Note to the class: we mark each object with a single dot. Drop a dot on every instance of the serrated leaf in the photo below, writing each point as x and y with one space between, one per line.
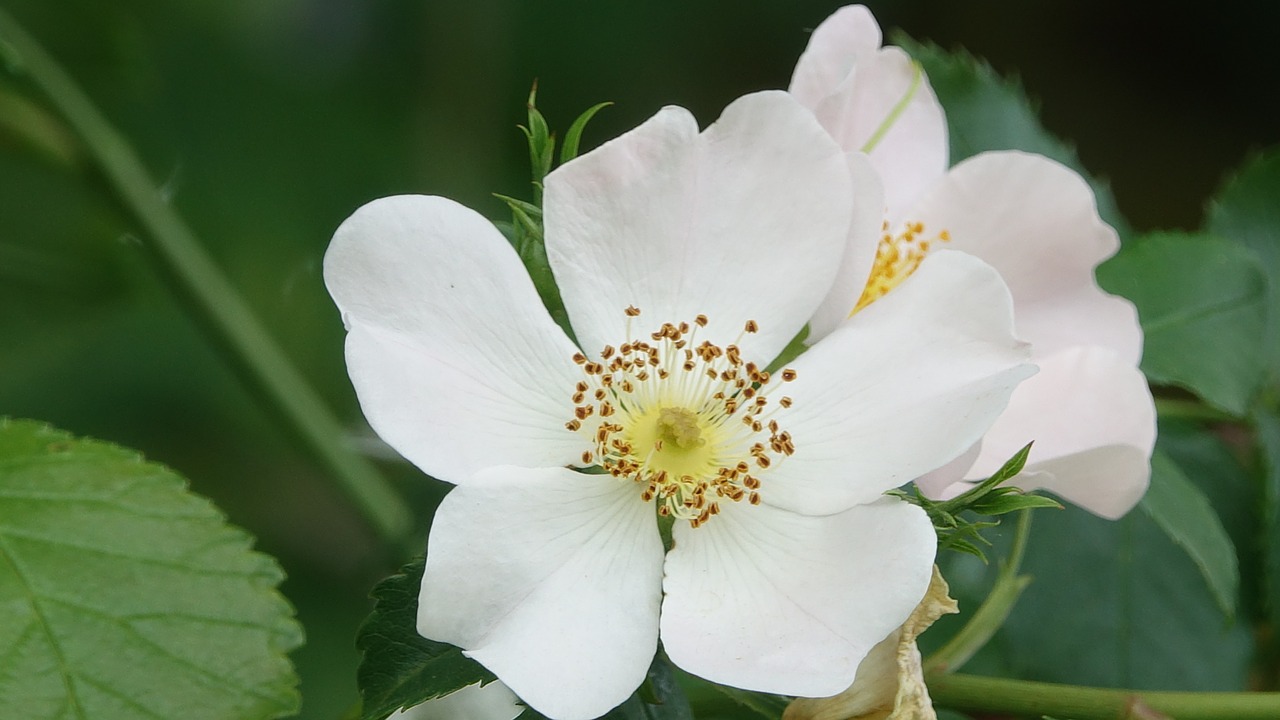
1007 471
399 667
988 112
1247 211
1179 508
124 595
1201 301
569 150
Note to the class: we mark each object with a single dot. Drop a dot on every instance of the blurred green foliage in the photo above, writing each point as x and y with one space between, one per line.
271 120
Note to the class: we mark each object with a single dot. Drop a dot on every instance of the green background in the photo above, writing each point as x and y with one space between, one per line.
269 121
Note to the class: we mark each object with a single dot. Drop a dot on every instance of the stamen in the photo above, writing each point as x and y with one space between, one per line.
896 258
690 422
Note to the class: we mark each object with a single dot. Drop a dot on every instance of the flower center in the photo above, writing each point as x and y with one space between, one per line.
897 256
691 423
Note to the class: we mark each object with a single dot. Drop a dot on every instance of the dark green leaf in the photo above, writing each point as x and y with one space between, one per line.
1268 429
123 595
1247 211
660 698
762 704
1113 604
400 668
988 112
1201 301
1179 508
569 150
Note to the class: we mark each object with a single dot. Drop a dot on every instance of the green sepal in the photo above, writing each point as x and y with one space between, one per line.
399 668
542 143
988 498
569 150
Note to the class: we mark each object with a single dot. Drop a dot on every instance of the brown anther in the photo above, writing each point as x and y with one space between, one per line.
752 326
788 375
754 498
579 358
578 398
762 461
632 311
582 412
586 457
785 401
573 425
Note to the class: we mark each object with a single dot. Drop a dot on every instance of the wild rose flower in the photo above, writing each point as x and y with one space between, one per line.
686 262
1088 410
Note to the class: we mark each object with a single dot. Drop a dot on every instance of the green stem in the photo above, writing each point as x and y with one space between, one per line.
209 297
993 611
1190 410
1020 697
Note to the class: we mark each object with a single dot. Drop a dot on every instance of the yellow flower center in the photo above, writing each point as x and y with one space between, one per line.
897 256
691 423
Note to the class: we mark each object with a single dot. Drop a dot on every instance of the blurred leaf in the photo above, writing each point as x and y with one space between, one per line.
573 137
1247 211
526 237
1201 302
400 668
988 112
1116 604
124 595
1184 513
1268 429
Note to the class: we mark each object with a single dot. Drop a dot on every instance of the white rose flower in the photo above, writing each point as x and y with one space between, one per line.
686 262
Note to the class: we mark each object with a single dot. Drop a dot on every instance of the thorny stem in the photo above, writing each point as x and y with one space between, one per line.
210 299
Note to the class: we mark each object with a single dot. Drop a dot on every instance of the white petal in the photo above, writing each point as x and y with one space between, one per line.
494 701
550 578
1093 421
859 253
906 385
854 87
746 221
456 362
834 48
764 599
1036 222
911 154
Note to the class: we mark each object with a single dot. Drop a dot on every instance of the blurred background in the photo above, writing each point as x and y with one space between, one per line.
268 121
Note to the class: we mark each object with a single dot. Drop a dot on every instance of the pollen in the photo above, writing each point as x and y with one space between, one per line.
897 257
689 422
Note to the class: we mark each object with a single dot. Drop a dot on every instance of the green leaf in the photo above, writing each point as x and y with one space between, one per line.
1247 211
1268 429
569 150
1201 302
1179 508
123 595
1113 604
988 112
400 668
762 704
